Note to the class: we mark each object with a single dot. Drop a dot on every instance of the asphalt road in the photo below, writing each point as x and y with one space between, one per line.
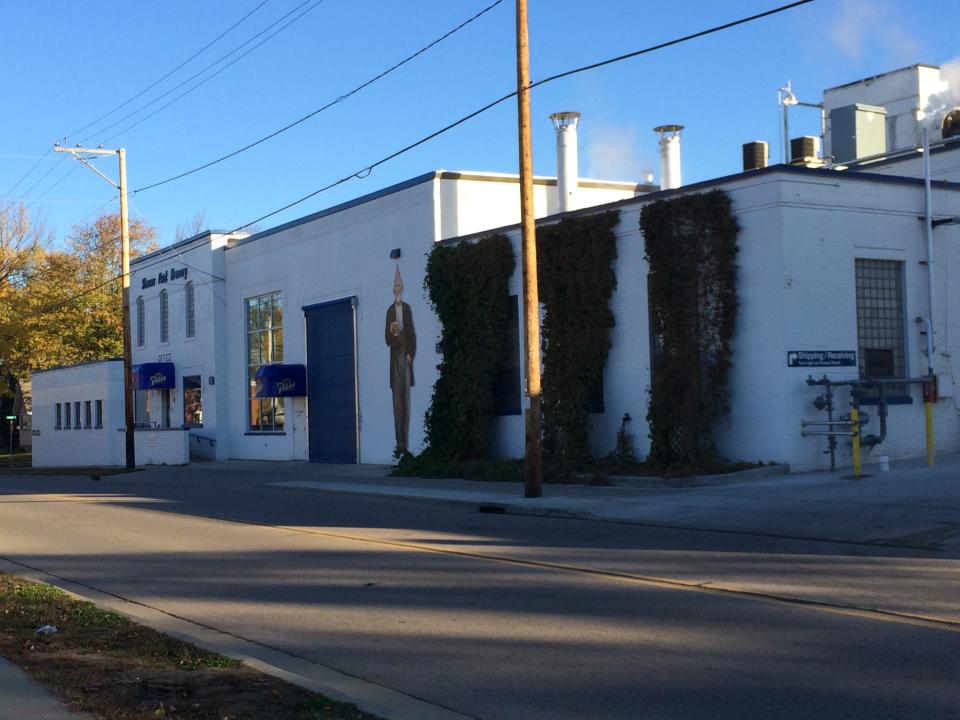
512 617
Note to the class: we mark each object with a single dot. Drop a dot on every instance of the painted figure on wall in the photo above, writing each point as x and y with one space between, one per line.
401 338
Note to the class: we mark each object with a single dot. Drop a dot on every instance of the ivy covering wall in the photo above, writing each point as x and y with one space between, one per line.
691 248
467 285
576 279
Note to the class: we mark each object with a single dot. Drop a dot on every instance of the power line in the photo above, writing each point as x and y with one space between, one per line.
32 168
369 168
134 97
329 105
176 87
171 72
488 106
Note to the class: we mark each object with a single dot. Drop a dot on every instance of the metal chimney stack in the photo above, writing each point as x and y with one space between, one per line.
669 155
565 123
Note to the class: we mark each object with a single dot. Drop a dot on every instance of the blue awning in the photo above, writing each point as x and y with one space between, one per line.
154 376
279 380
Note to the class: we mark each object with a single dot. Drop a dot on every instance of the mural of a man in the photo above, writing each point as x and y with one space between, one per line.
401 338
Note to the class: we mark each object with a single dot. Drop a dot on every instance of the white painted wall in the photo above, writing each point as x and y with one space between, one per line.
84 447
203 260
162 447
347 253
800 234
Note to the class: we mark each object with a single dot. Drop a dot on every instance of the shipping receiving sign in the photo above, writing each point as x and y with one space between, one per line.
822 358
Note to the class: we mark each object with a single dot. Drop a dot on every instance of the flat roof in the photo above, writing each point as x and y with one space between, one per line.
76 365
440 175
714 182
179 245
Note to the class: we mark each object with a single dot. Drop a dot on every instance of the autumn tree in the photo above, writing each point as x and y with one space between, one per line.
64 305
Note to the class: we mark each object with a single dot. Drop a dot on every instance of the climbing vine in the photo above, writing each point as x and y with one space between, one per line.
467 287
576 279
691 249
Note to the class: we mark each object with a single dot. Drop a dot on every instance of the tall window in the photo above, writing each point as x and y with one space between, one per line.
66 415
190 310
76 416
264 346
98 417
87 414
141 322
59 416
881 340
164 316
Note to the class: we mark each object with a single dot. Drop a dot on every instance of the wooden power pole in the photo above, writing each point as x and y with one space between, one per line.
533 470
79 153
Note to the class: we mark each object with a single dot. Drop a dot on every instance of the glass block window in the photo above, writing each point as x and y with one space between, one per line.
191 310
264 346
880 318
164 316
141 322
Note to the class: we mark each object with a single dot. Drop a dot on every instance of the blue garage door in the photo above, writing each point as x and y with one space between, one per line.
331 382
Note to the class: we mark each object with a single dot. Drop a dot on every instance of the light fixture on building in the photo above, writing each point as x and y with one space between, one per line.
395 254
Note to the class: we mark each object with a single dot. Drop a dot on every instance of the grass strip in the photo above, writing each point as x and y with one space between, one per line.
102 663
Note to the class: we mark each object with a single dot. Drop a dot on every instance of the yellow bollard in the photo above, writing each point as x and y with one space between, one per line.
855 440
928 412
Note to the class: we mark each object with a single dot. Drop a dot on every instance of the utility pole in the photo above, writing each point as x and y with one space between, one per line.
80 154
532 468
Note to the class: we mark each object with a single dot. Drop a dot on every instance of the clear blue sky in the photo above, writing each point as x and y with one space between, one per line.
66 63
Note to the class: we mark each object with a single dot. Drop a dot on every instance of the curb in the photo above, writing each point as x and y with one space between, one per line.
370 697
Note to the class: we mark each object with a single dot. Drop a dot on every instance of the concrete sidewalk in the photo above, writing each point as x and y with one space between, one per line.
21 698
911 505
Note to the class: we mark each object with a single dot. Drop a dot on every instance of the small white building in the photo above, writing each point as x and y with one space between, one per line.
78 421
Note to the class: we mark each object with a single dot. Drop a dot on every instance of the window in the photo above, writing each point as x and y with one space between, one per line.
191 318
59 416
66 416
506 386
264 346
87 414
76 415
881 343
141 327
164 316
98 413
192 401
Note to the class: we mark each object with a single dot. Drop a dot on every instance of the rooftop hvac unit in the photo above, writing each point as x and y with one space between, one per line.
804 149
857 131
756 155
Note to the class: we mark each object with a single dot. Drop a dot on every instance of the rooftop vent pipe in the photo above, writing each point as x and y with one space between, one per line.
669 155
565 123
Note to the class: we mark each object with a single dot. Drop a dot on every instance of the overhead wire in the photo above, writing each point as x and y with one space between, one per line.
365 171
126 102
488 106
312 5
170 72
327 106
